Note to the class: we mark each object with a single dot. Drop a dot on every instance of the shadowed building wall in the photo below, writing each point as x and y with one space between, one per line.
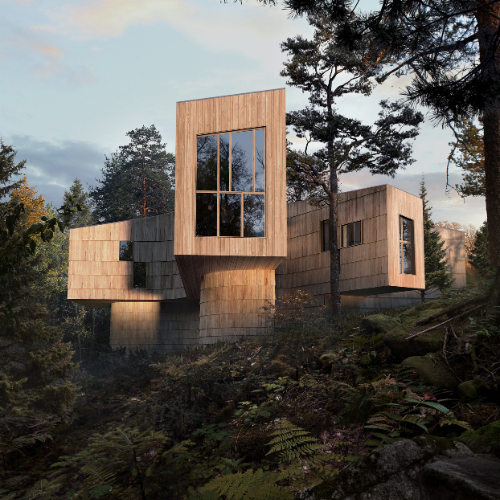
164 327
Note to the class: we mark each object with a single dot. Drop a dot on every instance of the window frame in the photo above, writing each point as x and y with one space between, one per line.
410 242
360 222
242 194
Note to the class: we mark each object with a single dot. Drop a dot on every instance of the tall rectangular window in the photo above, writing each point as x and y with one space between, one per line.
325 239
325 233
406 246
139 274
230 184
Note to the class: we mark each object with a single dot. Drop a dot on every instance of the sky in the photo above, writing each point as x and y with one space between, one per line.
77 75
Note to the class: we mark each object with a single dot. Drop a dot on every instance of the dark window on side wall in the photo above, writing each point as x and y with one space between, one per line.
351 234
126 250
325 234
406 246
139 274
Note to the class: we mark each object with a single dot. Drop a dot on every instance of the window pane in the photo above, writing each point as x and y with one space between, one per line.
344 236
242 153
407 256
126 250
224 162
357 233
206 172
139 275
407 229
230 214
260 160
254 215
206 214
326 236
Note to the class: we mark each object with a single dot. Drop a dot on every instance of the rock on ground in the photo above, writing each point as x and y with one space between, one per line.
483 440
471 478
432 370
389 473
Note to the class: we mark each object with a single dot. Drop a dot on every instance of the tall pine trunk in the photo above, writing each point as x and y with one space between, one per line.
334 257
488 19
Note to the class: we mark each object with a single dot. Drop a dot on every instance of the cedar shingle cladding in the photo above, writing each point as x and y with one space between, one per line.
97 277
198 256
368 268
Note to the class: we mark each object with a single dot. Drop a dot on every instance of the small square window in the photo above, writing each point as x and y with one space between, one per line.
126 250
139 275
351 234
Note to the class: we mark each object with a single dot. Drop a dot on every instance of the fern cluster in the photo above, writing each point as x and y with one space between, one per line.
297 465
121 452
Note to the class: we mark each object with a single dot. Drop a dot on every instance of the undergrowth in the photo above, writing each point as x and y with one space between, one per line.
256 419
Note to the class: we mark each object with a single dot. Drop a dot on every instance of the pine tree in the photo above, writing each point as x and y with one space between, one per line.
137 180
438 275
468 154
480 254
34 363
328 73
8 168
78 196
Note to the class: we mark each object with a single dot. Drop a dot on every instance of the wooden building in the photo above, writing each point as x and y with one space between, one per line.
380 242
204 272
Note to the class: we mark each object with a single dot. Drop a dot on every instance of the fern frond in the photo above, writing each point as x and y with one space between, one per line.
4 495
252 485
292 442
98 474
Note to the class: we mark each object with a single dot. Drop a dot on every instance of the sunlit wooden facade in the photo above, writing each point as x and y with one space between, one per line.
207 271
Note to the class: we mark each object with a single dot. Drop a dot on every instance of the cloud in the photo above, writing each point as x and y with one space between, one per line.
49 50
210 24
46 60
57 69
52 167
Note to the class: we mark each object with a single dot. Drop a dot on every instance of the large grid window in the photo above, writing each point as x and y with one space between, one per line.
406 246
230 184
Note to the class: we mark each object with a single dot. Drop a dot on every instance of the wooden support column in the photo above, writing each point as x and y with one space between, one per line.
232 304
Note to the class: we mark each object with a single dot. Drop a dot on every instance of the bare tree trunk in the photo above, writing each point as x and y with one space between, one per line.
334 254
488 19
422 296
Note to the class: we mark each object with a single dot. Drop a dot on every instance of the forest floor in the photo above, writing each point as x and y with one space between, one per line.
273 414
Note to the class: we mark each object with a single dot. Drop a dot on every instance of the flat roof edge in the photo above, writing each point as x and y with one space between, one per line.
231 95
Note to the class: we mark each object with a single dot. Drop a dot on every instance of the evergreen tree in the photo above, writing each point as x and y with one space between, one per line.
34 363
78 196
480 254
137 180
8 169
438 275
328 72
468 154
